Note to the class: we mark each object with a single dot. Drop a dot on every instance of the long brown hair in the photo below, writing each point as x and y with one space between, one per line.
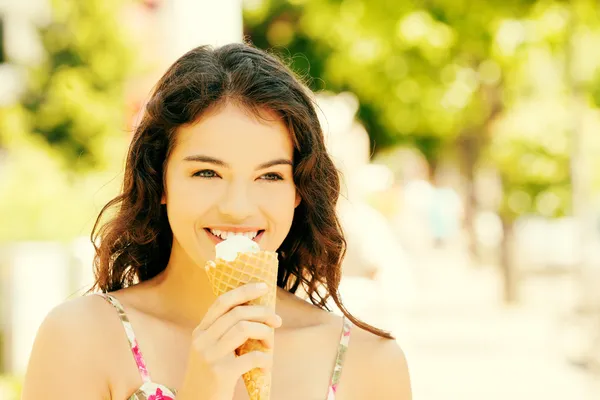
134 245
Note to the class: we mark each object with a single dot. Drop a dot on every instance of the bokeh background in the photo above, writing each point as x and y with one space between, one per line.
467 133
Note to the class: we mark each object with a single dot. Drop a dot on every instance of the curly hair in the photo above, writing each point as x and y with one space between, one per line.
134 244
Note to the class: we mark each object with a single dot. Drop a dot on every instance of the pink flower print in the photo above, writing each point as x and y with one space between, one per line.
331 394
139 360
160 396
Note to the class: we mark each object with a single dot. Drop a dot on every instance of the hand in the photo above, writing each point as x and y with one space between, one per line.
213 370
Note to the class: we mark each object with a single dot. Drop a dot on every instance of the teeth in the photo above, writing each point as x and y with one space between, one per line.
225 235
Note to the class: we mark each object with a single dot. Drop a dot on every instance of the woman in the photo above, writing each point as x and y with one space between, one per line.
230 144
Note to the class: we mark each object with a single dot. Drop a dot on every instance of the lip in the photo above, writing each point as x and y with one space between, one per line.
217 239
236 229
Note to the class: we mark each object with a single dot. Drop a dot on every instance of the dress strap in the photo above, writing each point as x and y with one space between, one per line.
339 360
135 350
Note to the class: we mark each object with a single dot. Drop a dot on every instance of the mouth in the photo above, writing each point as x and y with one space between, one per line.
218 235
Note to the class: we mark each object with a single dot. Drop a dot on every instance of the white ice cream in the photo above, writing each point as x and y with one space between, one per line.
229 248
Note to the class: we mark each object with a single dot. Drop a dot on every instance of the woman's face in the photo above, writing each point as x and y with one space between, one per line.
230 173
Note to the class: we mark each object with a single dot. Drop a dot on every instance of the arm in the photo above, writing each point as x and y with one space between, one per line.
65 361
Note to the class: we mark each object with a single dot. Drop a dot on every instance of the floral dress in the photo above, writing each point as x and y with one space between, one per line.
154 391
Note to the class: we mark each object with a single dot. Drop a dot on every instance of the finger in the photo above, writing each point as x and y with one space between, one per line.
251 313
238 335
229 300
255 359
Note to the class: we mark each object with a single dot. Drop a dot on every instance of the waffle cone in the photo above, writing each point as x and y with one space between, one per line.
248 268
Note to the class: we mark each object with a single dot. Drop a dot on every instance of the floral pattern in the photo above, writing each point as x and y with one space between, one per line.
159 396
154 391
339 361
149 390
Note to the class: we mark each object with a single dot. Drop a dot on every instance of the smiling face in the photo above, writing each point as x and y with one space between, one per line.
230 173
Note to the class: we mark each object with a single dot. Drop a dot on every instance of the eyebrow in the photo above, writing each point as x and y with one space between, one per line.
221 163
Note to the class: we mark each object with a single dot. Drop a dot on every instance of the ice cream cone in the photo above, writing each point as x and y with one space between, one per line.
248 267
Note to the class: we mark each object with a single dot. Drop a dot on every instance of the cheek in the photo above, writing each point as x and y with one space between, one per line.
192 196
279 202
187 202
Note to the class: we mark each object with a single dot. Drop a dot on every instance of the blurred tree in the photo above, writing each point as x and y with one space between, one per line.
66 138
540 146
425 73
75 95
533 162
439 75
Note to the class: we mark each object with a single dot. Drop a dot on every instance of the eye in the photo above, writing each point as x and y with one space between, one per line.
272 177
206 173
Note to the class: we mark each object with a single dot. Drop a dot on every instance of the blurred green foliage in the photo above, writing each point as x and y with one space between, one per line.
74 97
10 388
65 139
486 83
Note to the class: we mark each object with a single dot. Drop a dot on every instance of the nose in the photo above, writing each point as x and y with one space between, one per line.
237 204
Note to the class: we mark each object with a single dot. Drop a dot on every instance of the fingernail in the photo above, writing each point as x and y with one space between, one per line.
261 286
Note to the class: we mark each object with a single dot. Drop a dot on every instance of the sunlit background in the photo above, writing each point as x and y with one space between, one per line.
467 132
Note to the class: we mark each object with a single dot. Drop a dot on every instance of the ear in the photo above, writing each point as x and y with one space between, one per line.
298 200
163 200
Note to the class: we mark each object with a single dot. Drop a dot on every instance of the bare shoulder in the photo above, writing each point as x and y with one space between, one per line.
375 367
68 352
